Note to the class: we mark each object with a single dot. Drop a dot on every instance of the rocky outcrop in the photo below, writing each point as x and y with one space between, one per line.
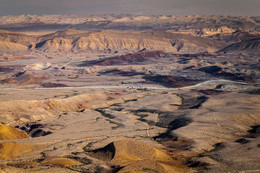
216 30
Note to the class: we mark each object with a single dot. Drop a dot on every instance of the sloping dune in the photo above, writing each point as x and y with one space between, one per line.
61 162
10 150
136 156
7 133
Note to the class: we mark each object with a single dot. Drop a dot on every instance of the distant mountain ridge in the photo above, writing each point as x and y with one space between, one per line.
125 22
128 33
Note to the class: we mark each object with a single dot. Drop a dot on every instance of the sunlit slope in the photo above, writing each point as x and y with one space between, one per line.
7 133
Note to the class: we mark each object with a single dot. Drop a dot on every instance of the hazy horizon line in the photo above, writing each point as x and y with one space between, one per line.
131 14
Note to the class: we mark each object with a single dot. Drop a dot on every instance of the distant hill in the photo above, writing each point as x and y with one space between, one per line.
9 47
16 37
127 59
114 41
248 45
125 22
129 33
235 37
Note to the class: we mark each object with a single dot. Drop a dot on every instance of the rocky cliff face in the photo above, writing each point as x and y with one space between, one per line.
217 30
106 41
127 33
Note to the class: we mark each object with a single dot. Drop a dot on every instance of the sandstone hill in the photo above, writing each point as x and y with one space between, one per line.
113 41
22 78
136 156
127 32
7 47
132 41
18 38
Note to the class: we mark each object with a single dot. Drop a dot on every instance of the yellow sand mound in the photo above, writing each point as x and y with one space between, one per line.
10 150
132 150
147 166
62 162
137 156
7 133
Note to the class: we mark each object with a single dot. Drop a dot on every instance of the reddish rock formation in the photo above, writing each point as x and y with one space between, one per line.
126 59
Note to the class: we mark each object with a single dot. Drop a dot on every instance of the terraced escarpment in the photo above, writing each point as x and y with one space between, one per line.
110 33
120 41
112 41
